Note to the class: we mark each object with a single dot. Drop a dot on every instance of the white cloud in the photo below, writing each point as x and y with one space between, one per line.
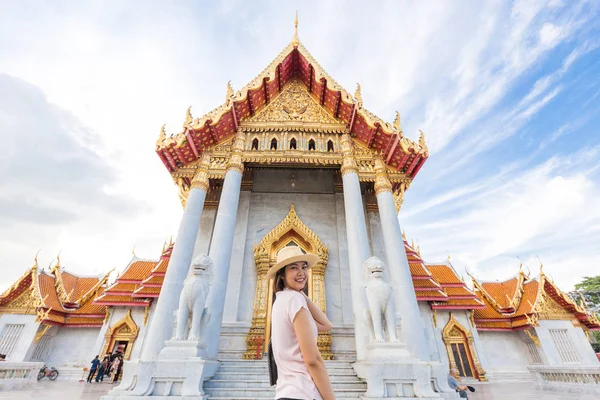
549 211
123 71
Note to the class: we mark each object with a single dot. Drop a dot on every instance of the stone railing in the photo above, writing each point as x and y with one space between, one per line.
18 375
568 378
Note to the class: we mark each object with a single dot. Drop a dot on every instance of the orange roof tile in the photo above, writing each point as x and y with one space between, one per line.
431 294
147 290
48 291
138 270
154 280
458 291
122 287
418 269
462 303
97 321
502 292
443 273
425 283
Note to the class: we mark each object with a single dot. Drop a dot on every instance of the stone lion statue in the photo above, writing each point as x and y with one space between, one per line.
193 297
380 299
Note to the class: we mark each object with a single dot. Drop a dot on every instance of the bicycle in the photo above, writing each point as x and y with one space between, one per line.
51 373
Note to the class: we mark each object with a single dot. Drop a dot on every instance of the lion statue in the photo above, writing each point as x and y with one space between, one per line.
193 299
381 303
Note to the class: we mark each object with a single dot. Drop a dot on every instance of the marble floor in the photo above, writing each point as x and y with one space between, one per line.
62 390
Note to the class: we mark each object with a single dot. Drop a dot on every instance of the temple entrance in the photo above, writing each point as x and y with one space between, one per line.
290 232
121 336
461 350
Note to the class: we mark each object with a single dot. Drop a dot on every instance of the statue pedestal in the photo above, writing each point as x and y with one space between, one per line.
179 373
391 373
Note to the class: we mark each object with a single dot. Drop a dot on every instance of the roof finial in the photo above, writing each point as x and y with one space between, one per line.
229 92
295 39
188 117
422 142
541 265
133 251
397 125
35 258
162 137
357 95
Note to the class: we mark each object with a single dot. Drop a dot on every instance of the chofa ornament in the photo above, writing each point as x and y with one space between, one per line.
380 317
192 302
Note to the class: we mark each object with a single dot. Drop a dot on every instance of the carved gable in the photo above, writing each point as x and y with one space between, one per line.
294 104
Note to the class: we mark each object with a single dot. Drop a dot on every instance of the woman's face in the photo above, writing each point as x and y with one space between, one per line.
296 275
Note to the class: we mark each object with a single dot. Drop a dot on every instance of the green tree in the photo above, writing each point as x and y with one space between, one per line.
588 290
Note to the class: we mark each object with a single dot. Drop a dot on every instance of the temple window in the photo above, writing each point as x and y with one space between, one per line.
311 145
273 144
293 144
329 145
255 144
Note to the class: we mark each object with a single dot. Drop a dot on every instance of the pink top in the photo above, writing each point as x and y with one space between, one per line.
293 379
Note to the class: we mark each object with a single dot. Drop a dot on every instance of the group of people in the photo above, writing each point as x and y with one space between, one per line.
110 366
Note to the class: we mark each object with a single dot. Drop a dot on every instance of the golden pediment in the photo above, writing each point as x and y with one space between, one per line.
294 104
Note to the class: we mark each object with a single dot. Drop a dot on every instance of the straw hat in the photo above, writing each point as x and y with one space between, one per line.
289 255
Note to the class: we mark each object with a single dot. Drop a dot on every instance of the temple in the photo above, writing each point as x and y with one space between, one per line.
292 158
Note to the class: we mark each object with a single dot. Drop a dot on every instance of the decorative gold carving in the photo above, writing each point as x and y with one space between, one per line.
265 255
124 330
42 329
471 316
235 161
200 180
422 144
294 104
161 137
455 333
399 194
533 337
349 162
230 93
434 317
146 313
382 183
550 310
188 118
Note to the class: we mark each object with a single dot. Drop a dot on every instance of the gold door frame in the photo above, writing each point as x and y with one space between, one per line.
265 255
454 332
124 330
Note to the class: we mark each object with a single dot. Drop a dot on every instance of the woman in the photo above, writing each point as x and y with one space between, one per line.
296 322
114 368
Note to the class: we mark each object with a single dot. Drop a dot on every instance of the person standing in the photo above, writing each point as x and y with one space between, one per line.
102 369
116 364
453 383
95 364
296 322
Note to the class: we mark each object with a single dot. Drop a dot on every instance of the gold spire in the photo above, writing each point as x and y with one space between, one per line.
397 125
161 137
133 251
295 40
35 259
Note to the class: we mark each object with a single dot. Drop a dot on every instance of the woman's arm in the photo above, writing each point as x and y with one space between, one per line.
321 320
311 355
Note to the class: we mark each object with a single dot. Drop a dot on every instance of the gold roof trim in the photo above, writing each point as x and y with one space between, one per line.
270 73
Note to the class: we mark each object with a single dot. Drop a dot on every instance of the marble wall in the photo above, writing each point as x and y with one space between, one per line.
23 346
506 354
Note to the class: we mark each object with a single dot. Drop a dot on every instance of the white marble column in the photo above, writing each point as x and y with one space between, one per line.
358 243
413 330
161 326
222 243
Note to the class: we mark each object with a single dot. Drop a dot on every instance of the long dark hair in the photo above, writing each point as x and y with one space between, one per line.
279 283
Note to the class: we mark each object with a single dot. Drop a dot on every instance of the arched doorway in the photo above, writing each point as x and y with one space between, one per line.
121 336
291 231
461 350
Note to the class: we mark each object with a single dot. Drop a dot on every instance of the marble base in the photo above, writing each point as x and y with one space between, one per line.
19 375
394 375
180 349
165 379
439 380
575 379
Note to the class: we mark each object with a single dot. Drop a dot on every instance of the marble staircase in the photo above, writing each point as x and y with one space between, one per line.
245 380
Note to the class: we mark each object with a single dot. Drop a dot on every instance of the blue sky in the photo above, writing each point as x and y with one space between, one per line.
507 93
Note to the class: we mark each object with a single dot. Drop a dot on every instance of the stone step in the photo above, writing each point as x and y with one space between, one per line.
260 364
229 384
261 393
342 376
